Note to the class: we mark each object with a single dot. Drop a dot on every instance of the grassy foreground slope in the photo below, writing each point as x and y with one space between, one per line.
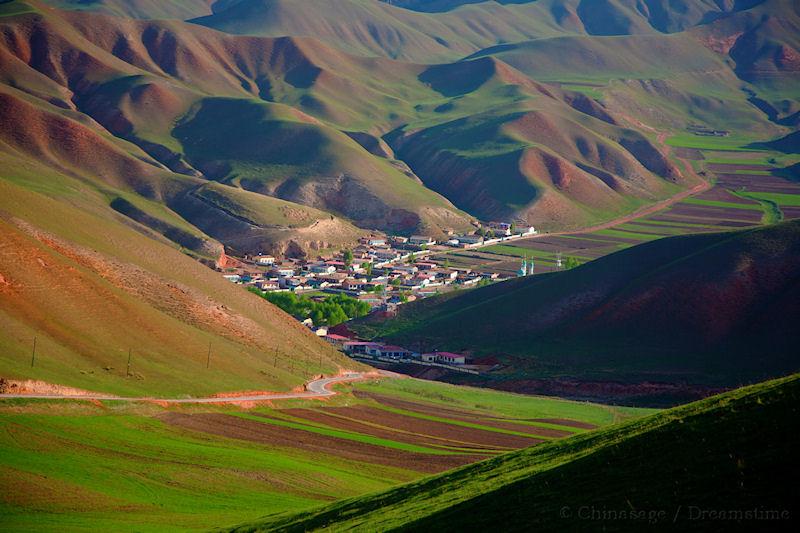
115 466
715 310
732 452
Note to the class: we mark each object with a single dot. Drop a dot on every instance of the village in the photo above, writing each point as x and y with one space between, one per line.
383 272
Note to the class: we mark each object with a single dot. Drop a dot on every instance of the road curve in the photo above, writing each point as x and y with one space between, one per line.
317 388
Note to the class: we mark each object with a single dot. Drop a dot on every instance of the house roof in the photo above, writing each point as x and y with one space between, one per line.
392 348
449 354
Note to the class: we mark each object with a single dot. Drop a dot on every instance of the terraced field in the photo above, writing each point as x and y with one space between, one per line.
746 191
120 466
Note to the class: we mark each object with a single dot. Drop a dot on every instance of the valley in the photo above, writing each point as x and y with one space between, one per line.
381 265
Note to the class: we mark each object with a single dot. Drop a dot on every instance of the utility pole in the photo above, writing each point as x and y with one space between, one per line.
208 359
33 354
128 371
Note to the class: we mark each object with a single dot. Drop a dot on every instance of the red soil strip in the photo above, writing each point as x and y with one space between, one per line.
791 212
422 431
723 195
700 222
709 213
313 443
464 416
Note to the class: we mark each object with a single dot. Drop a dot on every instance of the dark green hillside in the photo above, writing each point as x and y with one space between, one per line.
714 310
730 453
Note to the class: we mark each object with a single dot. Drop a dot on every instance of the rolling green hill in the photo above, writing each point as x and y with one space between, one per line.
729 455
706 311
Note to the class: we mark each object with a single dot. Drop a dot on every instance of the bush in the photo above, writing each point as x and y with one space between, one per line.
331 311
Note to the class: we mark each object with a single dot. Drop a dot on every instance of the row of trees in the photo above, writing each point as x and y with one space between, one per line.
331 311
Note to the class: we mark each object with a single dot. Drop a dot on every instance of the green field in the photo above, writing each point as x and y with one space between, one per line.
710 454
72 465
501 404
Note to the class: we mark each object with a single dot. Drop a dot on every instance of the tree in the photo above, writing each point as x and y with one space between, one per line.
347 256
571 262
396 282
411 258
318 317
447 263
367 266
336 315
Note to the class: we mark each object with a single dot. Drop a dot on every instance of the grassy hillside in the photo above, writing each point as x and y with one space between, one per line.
138 467
90 284
708 310
658 471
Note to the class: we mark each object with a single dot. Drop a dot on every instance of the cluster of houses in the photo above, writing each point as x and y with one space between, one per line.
384 272
391 352
491 233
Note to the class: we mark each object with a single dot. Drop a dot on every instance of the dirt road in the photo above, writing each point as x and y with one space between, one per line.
318 388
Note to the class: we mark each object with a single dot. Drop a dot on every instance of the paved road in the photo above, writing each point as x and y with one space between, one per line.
314 389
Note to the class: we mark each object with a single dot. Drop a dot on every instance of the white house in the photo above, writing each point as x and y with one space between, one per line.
322 268
421 240
450 358
264 259
394 352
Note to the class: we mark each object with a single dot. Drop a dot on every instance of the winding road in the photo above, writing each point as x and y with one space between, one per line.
318 388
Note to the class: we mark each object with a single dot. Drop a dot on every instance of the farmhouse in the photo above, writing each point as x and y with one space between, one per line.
264 259
322 268
421 240
501 229
394 352
337 340
469 239
268 285
358 346
450 358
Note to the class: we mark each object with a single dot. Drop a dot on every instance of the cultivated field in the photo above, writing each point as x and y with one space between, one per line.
747 189
120 466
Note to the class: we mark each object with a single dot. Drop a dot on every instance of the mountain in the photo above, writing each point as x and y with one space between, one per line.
690 313
146 9
731 454
518 116
378 29
165 86
293 119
